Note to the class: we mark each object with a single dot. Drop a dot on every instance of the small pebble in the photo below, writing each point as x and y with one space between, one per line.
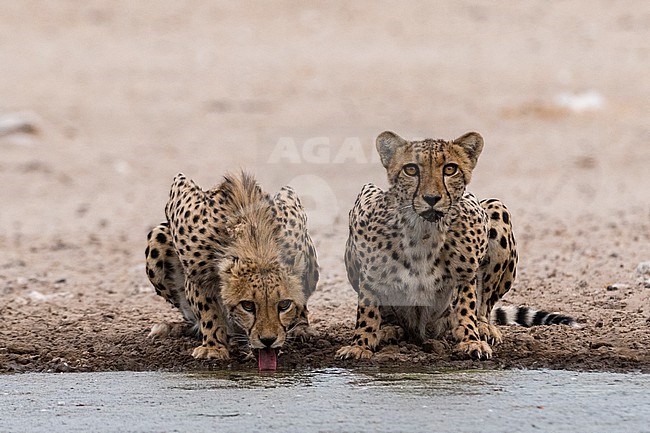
618 286
598 344
433 346
323 344
12 123
643 268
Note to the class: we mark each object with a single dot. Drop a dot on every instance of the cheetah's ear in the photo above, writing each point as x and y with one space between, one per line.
472 145
387 144
228 264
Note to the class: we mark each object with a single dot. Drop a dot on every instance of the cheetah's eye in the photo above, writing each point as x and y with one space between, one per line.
450 169
411 169
284 305
248 306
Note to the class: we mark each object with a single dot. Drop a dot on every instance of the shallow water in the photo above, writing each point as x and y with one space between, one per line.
326 400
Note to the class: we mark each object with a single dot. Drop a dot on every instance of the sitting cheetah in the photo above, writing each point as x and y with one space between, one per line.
237 263
426 256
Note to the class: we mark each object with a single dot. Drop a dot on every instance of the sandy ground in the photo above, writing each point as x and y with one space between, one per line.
121 96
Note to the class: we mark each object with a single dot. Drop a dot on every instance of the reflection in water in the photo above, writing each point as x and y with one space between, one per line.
328 399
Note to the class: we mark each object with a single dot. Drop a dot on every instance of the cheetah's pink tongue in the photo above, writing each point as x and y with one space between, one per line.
267 359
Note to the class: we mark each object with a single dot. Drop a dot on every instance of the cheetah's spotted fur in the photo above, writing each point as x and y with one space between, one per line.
427 256
235 261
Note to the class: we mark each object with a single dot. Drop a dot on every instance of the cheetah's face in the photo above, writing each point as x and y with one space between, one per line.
428 177
265 303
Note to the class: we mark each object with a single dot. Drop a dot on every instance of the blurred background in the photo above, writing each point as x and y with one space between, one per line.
102 103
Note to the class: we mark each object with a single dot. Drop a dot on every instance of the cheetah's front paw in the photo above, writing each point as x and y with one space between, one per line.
303 333
168 329
489 333
205 352
354 352
475 349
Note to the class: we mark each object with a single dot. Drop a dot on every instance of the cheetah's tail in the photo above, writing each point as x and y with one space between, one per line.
525 316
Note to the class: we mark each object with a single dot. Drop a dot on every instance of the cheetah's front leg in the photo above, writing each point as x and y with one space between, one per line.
499 268
367 329
465 325
301 329
212 324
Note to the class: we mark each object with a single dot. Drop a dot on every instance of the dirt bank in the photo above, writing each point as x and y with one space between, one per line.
118 98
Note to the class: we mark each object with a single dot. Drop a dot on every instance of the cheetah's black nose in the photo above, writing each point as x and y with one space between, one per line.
431 199
268 341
